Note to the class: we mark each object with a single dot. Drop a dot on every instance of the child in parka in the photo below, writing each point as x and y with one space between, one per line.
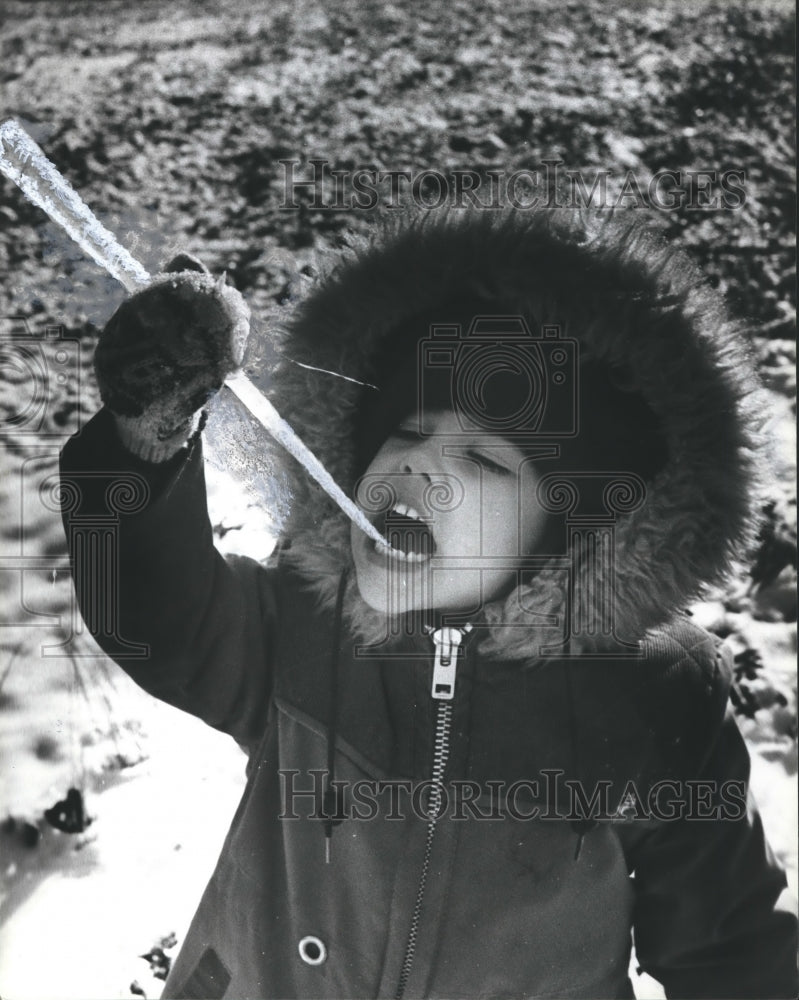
478 761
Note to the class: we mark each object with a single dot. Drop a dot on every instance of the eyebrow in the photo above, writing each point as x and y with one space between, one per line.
475 442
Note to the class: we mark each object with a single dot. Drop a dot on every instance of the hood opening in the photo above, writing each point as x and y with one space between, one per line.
681 409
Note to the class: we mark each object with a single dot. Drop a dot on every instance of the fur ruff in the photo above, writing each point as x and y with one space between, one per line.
628 298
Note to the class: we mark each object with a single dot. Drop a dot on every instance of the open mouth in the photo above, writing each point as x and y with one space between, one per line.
409 535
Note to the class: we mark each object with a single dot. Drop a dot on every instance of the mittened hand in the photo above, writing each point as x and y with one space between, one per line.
165 352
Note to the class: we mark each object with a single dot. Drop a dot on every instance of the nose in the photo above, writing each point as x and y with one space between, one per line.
417 461
424 474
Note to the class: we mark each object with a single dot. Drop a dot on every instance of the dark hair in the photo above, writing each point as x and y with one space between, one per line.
616 428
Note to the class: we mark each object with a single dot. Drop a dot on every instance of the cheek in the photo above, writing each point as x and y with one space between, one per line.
501 503
376 466
534 519
369 489
542 532
494 523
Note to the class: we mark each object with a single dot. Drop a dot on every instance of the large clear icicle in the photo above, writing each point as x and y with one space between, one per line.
24 163
266 415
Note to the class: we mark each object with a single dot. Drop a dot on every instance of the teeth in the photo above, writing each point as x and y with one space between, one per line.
385 548
411 557
406 511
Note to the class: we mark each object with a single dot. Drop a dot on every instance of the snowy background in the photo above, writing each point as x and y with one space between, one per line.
171 120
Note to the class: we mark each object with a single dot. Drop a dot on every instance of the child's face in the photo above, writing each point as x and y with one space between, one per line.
487 491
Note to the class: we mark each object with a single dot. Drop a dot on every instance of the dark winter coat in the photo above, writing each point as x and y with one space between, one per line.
515 889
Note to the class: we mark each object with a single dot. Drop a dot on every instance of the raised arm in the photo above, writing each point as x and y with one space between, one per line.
188 625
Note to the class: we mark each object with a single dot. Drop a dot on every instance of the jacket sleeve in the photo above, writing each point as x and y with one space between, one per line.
189 626
705 920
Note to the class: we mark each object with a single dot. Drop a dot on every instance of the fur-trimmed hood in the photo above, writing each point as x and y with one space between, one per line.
630 301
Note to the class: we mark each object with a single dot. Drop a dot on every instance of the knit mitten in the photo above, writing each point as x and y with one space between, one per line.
165 352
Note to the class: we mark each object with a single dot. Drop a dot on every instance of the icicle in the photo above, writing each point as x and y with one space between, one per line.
263 411
24 163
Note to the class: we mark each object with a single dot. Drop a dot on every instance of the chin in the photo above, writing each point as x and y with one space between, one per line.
373 586
414 593
392 589
375 597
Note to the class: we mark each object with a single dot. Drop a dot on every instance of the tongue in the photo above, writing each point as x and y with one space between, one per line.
408 534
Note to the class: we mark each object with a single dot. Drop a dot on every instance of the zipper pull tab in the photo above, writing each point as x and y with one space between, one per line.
447 642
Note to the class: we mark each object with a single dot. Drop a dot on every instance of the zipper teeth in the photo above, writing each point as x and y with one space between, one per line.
440 757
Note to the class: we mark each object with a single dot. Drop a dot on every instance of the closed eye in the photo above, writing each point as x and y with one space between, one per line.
489 464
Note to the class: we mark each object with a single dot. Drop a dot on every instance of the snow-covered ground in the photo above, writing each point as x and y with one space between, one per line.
76 911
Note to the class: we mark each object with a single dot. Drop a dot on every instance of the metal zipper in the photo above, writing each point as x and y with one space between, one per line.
447 642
